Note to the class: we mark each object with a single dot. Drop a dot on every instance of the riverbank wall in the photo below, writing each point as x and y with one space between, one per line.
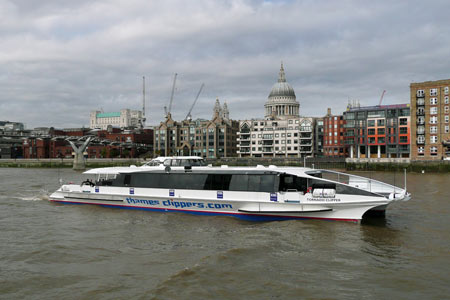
68 162
389 165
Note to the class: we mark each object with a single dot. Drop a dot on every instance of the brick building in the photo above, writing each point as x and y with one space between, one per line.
333 135
205 138
430 132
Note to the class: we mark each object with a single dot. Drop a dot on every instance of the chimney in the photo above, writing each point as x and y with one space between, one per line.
328 111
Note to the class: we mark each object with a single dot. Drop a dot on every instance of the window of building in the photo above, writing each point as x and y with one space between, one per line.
371 131
446 100
446 109
446 119
421 149
381 140
446 90
433 150
433 110
370 123
433 129
403 130
433 92
433 120
403 139
433 101
421 139
380 130
335 133
446 129
253 135
371 140
433 139
420 93
350 116
380 122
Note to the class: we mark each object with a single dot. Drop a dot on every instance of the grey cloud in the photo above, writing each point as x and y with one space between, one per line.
61 59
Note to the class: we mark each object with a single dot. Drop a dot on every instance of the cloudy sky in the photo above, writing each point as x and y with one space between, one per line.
60 59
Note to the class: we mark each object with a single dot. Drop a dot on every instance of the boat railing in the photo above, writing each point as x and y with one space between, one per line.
367 184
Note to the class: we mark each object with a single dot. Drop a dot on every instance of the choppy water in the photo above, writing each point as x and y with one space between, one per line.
54 251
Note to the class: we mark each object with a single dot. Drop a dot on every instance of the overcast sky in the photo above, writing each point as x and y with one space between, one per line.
60 59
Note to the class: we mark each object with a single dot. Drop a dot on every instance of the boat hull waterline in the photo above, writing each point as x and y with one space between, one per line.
262 211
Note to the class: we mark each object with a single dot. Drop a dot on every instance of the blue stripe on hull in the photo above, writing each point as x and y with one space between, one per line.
242 216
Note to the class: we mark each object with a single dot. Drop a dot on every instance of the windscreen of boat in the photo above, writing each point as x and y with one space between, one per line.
201 181
290 182
184 162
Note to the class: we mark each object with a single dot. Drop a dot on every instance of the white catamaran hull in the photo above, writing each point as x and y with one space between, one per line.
251 206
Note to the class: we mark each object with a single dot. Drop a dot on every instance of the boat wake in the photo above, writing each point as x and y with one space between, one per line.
41 195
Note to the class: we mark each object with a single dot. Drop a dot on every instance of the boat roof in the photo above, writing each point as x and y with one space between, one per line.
203 169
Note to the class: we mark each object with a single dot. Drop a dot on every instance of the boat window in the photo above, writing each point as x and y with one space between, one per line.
292 182
340 188
220 182
176 162
196 181
184 162
127 179
239 182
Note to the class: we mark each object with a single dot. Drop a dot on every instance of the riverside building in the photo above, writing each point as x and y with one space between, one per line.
206 138
333 135
283 133
378 131
430 132
126 118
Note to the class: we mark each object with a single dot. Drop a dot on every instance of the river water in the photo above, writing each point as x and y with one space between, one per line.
56 251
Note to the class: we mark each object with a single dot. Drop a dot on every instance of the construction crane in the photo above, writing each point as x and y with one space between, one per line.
381 98
188 116
167 111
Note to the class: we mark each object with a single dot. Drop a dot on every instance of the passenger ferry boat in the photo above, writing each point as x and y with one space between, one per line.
252 193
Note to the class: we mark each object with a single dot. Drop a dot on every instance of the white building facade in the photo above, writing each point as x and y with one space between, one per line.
283 133
124 119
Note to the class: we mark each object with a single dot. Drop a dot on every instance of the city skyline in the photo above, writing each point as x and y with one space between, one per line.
61 60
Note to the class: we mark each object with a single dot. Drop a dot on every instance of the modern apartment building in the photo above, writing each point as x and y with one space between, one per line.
291 137
378 131
430 132
282 132
206 138
318 137
333 135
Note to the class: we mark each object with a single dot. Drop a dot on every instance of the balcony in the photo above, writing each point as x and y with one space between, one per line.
267 149
268 142
420 112
420 130
420 102
303 143
420 121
